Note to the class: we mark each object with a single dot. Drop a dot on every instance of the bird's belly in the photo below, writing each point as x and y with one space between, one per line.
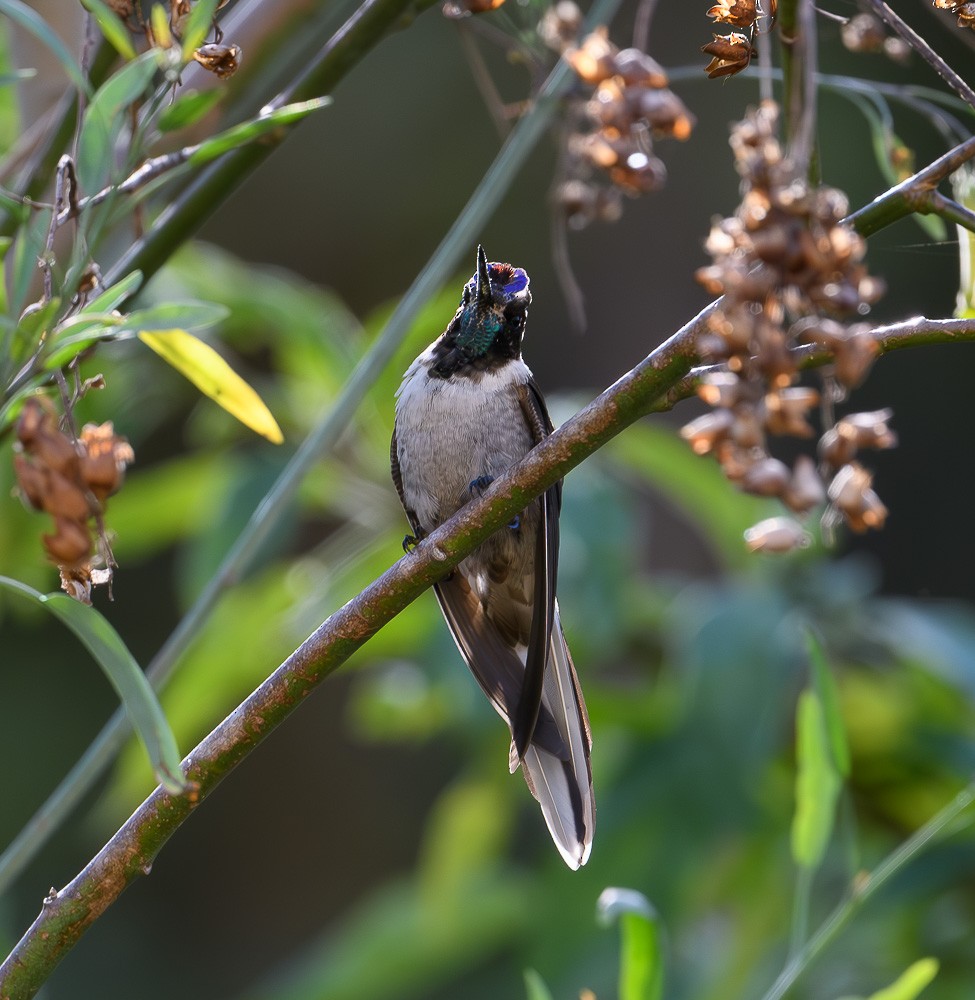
451 434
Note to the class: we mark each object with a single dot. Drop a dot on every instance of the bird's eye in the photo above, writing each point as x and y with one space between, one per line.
516 322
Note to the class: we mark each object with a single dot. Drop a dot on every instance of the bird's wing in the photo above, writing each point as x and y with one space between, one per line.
545 581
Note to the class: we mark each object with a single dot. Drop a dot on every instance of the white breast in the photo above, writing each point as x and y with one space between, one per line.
450 432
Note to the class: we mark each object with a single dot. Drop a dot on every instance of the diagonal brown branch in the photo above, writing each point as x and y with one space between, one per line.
653 385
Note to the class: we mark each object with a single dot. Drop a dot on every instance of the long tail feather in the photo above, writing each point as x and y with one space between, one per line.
563 787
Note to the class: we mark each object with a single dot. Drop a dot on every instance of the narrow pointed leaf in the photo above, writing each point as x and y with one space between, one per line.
535 988
124 674
817 783
247 132
176 315
111 26
103 120
909 985
31 21
641 953
208 371
825 685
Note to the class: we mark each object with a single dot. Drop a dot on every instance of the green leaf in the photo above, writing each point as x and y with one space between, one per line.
172 315
111 27
31 21
197 27
825 685
27 249
208 371
124 674
817 783
535 988
641 954
116 294
104 118
189 109
247 132
911 982
5 243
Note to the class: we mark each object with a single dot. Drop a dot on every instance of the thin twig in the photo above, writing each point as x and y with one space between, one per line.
924 50
641 24
949 209
906 197
483 80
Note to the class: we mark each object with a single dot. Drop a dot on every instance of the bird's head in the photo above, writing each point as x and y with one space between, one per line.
492 313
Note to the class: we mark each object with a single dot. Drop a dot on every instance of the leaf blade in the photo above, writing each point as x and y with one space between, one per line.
211 374
817 783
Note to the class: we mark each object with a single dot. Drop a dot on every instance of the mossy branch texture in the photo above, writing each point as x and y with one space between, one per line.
650 386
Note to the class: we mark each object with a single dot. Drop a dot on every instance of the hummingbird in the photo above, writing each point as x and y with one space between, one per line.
468 408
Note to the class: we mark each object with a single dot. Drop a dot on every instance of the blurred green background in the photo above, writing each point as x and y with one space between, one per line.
376 847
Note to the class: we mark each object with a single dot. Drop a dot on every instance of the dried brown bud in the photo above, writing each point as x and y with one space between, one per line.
868 430
639 173
70 545
966 15
222 60
864 33
721 389
730 54
664 112
852 494
805 490
776 534
638 69
105 459
787 409
595 59
560 25
706 431
767 477
740 13
836 449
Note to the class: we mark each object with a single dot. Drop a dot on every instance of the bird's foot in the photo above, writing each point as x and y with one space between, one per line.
479 485
410 542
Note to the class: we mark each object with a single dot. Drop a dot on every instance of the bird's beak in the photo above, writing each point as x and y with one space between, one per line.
484 298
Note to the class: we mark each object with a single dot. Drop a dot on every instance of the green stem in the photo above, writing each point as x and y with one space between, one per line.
868 886
267 515
800 909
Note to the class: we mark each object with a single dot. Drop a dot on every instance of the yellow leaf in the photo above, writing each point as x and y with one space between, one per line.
201 364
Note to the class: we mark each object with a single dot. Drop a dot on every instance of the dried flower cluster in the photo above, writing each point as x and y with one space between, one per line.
628 106
866 33
731 53
70 480
964 11
786 265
